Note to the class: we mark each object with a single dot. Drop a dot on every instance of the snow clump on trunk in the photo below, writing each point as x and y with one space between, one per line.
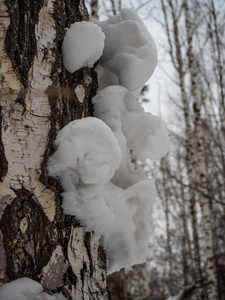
92 157
130 55
82 46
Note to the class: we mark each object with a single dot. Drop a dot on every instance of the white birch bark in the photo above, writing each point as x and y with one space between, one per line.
37 98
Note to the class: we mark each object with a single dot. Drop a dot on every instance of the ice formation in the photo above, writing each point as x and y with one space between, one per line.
92 157
82 45
26 289
130 56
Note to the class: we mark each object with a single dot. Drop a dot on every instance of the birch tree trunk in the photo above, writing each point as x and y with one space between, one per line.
201 179
201 167
164 166
175 51
38 97
186 243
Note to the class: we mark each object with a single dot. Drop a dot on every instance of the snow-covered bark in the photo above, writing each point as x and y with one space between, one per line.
38 97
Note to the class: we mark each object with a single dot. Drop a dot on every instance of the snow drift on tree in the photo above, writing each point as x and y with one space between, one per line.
92 158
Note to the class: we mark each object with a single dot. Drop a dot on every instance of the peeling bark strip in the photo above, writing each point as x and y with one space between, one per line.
37 98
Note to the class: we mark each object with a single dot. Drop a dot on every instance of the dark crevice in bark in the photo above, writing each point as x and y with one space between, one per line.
87 242
70 278
64 227
102 258
3 160
20 41
83 271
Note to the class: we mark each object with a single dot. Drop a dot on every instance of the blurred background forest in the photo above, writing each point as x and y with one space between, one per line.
187 250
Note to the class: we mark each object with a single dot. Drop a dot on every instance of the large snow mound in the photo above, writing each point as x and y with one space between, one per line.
86 156
101 186
82 45
130 55
92 158
121 218
26 289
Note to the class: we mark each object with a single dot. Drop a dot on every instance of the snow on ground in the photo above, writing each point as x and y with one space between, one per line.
26 289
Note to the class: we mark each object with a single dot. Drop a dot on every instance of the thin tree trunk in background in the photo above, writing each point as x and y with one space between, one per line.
217 42
94 9
177 60
195 45
37 99
219 64
164 167
186 244
201 171
113 6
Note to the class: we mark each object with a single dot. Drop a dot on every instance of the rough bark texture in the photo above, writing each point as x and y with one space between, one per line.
38 97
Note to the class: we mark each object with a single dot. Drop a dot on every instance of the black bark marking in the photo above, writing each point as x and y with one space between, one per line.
39 232
4 202
83 272
20 41
101 258
87 242
70 278
3 160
